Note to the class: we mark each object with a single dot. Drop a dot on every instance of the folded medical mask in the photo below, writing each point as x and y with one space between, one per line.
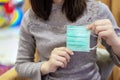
78 38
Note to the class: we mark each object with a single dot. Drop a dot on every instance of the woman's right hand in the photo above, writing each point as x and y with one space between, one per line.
59 58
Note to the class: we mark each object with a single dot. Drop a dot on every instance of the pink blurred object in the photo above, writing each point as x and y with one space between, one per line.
4 68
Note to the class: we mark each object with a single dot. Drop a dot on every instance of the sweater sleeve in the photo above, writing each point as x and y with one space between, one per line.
106 14
25 65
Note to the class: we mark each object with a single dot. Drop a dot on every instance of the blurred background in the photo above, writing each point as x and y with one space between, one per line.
11 13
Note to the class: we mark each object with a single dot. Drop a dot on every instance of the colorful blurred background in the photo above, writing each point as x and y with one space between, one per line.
11 14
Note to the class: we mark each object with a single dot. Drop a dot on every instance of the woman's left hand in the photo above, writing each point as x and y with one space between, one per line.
104 29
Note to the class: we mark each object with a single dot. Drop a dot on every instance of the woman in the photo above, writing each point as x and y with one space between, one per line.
43 28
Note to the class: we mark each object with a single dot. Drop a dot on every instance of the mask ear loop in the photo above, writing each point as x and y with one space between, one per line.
99 42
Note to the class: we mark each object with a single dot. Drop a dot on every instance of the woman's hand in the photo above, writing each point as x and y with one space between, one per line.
104 29
59 58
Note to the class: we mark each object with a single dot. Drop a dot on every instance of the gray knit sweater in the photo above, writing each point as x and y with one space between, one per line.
47 35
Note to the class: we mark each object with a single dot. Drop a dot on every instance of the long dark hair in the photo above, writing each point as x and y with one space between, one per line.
72 8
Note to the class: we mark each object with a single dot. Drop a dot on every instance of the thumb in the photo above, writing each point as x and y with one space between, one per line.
90 26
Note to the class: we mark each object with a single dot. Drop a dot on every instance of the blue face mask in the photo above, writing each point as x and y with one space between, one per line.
78 38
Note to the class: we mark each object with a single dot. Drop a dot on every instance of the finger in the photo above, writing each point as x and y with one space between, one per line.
61 52
61 59
58 64
64 54
100 29
104 34
89 27
67 50
102 22
99 23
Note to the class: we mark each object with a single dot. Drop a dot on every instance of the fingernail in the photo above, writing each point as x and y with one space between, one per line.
87 27
72 53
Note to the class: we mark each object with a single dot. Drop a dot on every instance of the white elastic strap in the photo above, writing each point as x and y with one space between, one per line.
99 42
